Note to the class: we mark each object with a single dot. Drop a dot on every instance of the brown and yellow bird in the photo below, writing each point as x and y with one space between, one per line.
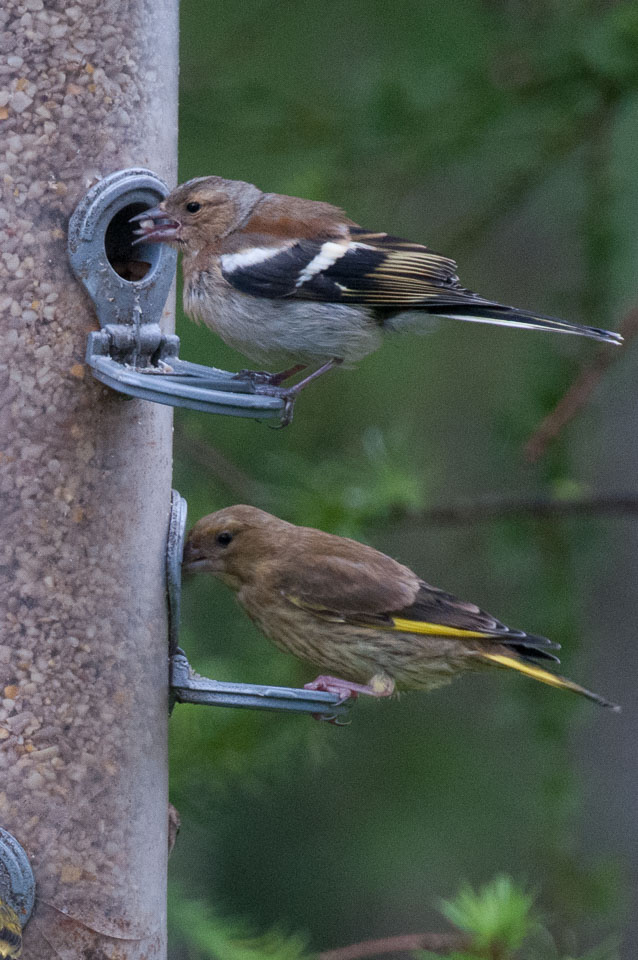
10 933
356 612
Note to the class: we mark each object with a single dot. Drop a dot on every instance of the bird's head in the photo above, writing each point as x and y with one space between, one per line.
233 543
198 213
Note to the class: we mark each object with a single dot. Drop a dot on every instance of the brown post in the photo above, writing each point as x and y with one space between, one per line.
86 88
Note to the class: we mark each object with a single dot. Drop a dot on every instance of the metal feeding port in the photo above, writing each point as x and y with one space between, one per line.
129 286
186 686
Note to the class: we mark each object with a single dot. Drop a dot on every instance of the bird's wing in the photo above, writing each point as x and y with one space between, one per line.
343 592
378 271
439 613
361 267
345 588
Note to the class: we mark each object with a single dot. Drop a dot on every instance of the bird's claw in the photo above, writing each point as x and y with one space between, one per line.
345 696
334 685
338 688
288 395
264 378
256 377
270 385
289 409
334 719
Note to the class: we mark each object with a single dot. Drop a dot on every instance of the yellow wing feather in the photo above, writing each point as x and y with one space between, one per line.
435 629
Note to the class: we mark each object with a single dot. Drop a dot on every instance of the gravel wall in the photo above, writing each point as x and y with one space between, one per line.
85 89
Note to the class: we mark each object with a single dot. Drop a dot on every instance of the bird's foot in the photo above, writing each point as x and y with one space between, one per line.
380 686
256 377
264 378
287 394
290 394
270 385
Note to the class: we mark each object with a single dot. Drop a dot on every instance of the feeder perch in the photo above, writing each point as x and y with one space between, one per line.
189 687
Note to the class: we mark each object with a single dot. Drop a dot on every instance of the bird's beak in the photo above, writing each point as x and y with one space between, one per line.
194 559
156 226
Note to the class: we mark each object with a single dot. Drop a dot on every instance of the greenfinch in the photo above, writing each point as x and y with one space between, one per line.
366 620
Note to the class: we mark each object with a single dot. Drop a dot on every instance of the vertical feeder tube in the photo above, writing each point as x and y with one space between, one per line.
86 89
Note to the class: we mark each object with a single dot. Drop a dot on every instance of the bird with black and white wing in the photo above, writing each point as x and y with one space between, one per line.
295 283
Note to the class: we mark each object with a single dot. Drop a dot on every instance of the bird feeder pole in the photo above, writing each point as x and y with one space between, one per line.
86 89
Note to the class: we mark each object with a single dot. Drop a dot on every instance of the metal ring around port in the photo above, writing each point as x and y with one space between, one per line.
114 297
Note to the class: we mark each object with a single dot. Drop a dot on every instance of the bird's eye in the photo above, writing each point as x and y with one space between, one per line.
193 206
224 538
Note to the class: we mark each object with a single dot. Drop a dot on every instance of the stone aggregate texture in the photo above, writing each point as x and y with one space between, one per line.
85 89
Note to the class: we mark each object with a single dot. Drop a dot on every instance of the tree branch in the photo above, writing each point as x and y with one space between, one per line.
437 942
598 252
577 395
490 508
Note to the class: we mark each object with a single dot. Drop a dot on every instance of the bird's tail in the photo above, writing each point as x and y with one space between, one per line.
511 317
537 673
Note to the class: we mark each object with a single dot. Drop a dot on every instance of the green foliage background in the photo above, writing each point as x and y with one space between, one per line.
502 133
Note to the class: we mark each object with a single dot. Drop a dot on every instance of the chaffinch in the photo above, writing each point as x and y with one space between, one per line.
295 282
348 608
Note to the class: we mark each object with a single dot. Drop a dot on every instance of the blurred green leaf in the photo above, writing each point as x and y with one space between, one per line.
212 936
500 913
